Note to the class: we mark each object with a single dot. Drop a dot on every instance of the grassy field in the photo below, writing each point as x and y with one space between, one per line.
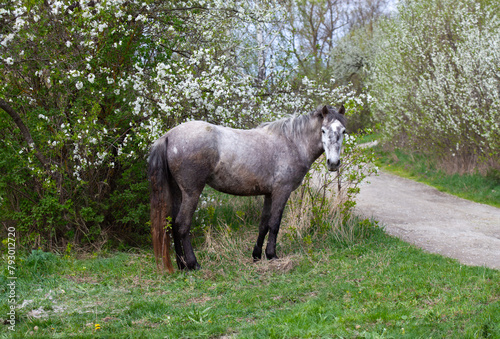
326 284
476 187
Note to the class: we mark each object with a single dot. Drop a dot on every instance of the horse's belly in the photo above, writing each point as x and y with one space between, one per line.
240 181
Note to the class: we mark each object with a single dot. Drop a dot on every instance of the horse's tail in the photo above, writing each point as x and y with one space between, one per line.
161 204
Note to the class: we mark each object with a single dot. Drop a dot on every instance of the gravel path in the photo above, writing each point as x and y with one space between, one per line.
435 221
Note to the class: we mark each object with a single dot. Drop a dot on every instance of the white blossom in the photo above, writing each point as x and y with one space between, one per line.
102 26
435 77
7 39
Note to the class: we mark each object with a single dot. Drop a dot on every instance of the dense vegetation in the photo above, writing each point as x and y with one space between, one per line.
434 78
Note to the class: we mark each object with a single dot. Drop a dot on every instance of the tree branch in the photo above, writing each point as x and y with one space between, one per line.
24 132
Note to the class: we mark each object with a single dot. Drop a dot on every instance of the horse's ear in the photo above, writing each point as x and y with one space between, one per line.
342 110
324 111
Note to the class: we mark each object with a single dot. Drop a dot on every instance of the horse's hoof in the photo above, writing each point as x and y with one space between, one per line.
256 254
272 257
194 267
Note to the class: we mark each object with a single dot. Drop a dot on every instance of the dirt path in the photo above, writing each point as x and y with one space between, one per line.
435 221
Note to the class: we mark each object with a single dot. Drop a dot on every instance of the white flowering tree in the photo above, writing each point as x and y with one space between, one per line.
87 86
436 79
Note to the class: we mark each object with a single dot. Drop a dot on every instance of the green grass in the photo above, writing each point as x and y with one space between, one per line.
352 282
372 287
475 187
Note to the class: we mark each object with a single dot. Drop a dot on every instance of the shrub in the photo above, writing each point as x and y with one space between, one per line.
435 79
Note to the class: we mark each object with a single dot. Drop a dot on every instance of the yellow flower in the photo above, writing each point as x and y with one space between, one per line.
97 326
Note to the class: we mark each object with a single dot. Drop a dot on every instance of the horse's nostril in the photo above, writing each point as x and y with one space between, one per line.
332 164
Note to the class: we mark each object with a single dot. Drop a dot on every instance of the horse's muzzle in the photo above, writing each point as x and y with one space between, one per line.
332 166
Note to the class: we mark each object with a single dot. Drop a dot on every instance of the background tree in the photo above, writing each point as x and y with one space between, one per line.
313 30
435 81
332 39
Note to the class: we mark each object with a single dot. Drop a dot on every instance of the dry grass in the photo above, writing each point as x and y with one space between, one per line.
321 208
224 244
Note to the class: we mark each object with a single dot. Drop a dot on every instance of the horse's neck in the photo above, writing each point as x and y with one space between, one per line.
309 148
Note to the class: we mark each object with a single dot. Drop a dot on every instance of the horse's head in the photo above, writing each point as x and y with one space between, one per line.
332 135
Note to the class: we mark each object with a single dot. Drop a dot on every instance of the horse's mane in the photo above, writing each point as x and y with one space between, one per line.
292 126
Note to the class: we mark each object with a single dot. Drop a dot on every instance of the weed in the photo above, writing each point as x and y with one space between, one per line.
41 263
199 316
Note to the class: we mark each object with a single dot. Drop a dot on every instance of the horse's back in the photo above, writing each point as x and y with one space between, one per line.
235 161
192 152
247 162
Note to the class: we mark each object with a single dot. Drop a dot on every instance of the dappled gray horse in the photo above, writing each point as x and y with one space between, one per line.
269 160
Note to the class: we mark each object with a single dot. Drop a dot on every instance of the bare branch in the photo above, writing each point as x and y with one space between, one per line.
24 132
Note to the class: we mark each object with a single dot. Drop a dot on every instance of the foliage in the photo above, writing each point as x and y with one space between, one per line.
316 28
353 55
435 79
86 87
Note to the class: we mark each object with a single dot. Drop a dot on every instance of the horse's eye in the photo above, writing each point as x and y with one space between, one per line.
323 130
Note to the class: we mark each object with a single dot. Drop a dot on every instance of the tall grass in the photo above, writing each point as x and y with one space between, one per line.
322 214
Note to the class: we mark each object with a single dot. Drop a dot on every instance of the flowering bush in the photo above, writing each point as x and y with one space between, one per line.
86 87
435 79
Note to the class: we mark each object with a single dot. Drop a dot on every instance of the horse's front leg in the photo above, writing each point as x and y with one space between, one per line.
183 224
263 228
278 205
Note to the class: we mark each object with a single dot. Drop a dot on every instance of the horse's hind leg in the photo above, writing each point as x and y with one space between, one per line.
183 225
176 205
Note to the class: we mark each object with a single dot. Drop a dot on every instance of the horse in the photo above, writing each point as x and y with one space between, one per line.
270 160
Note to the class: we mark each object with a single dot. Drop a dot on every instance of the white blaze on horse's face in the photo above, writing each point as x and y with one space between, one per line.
332 137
